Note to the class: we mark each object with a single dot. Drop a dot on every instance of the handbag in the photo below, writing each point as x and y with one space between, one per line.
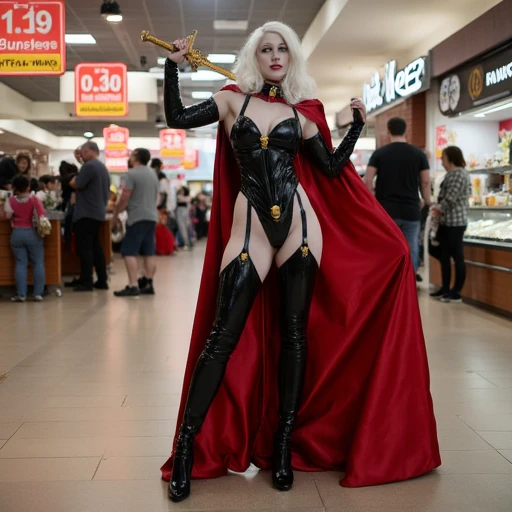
41 223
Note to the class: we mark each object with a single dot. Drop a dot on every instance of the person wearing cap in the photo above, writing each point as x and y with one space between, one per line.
92 185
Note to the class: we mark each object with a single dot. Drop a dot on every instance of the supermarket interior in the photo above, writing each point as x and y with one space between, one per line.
123 210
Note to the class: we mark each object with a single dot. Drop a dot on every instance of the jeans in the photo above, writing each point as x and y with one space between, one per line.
411 231
451 246
89 251
27 244
183 219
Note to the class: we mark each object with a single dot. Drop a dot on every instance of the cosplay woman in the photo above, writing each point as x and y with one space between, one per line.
280 208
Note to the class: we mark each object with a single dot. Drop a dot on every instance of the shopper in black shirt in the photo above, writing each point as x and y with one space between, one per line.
401 170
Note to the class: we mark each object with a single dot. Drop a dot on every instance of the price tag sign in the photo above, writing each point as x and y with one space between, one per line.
172 142
101 90
190 159
116 148
32 38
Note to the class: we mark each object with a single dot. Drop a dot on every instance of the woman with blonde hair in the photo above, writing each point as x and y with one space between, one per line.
300 260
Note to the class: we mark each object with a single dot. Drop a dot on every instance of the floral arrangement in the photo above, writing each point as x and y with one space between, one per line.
50 202
473 162
505 141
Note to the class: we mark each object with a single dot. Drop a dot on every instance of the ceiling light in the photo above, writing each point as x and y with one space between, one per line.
222 58
1 131
497 109
88 135
206 76
79 39
161 61
240 25
111 11
479 115
201 95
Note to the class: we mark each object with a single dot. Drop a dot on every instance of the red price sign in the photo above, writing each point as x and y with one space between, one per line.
101 90
190 159
172 142
32 38
116 148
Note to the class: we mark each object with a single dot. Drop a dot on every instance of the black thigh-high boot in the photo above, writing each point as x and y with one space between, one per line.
297 279
239 285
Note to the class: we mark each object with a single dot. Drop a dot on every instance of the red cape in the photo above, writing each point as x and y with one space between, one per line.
366 405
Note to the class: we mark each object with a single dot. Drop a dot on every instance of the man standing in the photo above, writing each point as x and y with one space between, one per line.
92 186
401 170
139 199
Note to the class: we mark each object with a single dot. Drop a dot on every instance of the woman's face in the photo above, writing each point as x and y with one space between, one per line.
273 57
446 163
23 165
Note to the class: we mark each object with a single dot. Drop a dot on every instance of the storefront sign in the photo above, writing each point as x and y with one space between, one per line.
32 38
190 159
101 90
473 86
396 85
116 148
172 143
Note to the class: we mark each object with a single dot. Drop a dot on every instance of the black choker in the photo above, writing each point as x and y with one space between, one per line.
272 91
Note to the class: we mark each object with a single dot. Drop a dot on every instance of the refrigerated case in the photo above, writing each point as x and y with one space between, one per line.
487 241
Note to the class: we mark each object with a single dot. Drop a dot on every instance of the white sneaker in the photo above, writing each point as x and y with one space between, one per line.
38 298
18 298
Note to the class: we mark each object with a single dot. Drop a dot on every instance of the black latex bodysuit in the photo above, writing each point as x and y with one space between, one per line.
268 178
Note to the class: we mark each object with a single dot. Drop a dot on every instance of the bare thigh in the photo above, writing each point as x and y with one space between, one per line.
260 250
294 240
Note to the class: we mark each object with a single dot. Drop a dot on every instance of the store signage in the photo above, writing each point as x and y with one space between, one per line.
101 90
190 159
116 148
32 38
395 84
473 86
172 142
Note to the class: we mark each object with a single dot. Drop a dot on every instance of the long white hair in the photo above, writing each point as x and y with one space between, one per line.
297 85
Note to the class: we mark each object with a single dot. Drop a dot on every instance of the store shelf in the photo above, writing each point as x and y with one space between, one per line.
490 243
492 170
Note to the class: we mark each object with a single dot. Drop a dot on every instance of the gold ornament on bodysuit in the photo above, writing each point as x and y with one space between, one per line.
275 212
264 141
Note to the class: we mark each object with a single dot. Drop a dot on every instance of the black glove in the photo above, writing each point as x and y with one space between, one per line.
176 115
332 163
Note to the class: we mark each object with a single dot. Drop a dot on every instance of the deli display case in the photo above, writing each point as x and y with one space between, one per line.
487 241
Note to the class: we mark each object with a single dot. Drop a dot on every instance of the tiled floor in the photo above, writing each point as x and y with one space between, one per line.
89 406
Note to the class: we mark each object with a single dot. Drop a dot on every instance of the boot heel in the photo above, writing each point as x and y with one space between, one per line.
179 485
282 473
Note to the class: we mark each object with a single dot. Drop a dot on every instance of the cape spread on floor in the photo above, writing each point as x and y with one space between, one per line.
366 405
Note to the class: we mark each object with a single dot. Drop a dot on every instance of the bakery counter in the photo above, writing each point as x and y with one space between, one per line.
52 255
488 275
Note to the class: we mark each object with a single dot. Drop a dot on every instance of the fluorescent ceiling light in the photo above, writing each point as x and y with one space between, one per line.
201 95
161 61
489 110
479 115
79 39
240 25
88 135
114 18
206 76
222 58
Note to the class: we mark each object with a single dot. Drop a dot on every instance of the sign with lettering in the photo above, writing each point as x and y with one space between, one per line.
101 90
32 38
396 85
477 84
116 147
190 159
172 142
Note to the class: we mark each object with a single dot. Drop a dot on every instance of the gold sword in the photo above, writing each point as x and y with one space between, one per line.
194 56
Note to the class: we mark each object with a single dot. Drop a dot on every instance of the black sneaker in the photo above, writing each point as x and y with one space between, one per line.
83 288
143 282
437 295
100 286
147 290
72 284
129 291
452 297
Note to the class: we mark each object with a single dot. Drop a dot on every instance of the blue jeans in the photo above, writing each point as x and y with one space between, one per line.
411 231
25 244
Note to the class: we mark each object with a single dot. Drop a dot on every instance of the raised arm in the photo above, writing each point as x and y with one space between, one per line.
176 115
329 162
